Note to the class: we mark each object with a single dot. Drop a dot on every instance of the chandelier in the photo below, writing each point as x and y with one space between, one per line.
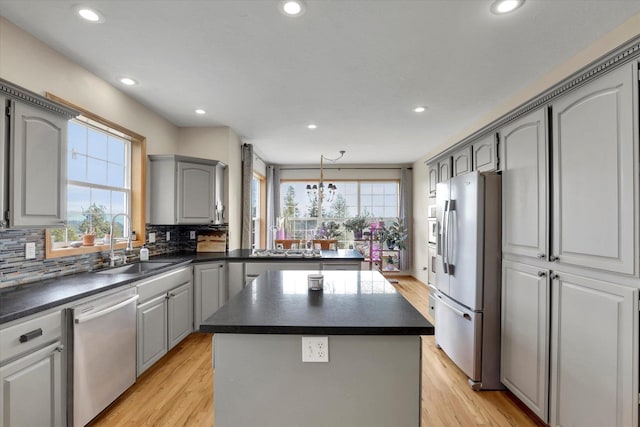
319 190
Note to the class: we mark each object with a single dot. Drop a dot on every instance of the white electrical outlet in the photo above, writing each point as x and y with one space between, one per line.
192 235
168 236
315 349
30 250
152 237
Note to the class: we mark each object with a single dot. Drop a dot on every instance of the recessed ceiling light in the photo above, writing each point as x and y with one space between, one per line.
312 126
89 14
128 81
200 111
420 109
292 7
500 7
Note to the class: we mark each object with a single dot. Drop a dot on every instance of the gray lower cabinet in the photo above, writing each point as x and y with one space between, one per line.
31 382
341 265
235 278
254 269
594 377
210 289
524 363
31 389
164 314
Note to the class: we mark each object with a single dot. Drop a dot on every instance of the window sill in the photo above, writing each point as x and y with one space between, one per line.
51 253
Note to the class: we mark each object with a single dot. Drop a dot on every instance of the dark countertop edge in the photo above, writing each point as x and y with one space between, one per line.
318 330
178 260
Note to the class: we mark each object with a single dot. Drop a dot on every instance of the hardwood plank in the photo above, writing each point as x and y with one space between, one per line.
177 391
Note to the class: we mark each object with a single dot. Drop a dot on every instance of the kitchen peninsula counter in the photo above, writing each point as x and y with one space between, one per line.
373 372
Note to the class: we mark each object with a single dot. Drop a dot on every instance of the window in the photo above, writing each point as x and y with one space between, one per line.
258 211
304 217
98 183
105 177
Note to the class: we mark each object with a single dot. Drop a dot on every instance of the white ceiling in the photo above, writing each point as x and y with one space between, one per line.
356 68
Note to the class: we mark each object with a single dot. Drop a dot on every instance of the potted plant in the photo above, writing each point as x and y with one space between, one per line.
328 230
395 235
94 219
357 224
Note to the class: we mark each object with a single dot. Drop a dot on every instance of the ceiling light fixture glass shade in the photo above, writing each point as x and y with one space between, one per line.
312 126
319 191
500 7
200 111
89 14
128 81
420 109
292 7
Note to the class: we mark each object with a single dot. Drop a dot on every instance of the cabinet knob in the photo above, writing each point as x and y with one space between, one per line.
554 277
60 348
541 256
553 258
542 273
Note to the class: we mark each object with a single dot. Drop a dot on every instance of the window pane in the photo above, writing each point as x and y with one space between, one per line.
116 151
76 167
97 146
391 188
101 198
77 138
118 202
97 171
115 175
377 200
390 200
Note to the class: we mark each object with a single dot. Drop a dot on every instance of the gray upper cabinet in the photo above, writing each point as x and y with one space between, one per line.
595 159
461 161
485 154
33 161
433 178
444 169
38 147
524 185
184 190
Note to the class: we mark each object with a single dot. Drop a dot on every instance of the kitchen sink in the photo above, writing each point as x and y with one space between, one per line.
136 268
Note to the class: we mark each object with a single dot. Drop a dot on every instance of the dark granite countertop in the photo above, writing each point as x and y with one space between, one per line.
352 303
23 300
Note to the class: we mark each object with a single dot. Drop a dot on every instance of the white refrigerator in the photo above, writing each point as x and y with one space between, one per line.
468 264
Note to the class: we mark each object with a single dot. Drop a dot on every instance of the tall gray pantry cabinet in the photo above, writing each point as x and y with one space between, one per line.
570 249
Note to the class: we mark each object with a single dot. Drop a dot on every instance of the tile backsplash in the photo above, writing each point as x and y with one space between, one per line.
15 270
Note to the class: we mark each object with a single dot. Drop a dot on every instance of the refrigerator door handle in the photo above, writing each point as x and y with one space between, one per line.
451 229
445 237
455 310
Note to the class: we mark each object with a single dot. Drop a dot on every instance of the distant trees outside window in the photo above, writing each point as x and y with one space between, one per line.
305 217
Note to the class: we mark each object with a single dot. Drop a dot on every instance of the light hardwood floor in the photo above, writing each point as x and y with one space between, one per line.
177 391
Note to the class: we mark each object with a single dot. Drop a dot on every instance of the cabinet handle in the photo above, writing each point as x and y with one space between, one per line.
554 277
541 256
553 258
31 335
171 295
59 348
542 273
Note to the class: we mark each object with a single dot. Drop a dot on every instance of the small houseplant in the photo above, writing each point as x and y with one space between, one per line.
395 235
328 230
357 224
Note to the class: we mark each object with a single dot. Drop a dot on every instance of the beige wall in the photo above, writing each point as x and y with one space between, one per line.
27 62
219 143
617 37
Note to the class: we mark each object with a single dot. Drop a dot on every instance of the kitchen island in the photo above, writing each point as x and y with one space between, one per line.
372 377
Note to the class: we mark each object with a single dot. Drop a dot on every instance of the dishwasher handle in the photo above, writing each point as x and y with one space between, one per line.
107 310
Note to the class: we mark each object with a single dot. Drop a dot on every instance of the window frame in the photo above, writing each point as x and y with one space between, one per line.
137 181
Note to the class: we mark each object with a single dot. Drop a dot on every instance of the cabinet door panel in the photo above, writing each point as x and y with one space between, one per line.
38 170
195 193
208 293
180 313
524 361
594 325
152 332
444 169
461 161
485 154
524 185
594 175
31 390
433 179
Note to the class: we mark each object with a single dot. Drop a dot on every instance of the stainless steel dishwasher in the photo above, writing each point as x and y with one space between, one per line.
103 365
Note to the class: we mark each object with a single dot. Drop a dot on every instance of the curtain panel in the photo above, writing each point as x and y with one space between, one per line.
247 177
406 214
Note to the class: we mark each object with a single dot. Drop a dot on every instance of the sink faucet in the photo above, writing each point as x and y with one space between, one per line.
112 256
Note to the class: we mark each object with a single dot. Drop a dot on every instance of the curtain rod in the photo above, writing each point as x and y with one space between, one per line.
338 168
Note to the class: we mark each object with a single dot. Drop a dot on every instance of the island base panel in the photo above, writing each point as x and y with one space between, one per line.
369 381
